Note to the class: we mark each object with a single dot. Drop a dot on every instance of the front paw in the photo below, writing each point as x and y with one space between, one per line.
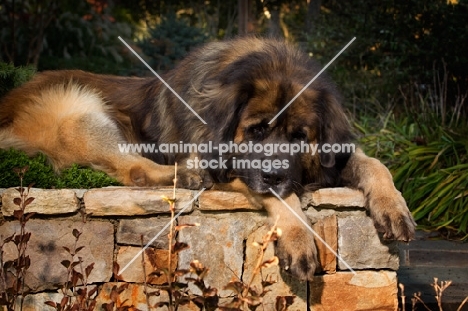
193 179
391 216
297 253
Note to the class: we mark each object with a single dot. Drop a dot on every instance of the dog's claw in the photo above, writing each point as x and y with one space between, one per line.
392 217
297 253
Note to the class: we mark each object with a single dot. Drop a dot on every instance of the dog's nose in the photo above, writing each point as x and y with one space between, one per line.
273 177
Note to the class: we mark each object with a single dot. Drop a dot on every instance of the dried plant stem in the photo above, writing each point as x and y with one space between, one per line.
462 304
171 237
258 266
417 298
439 289
403 297
22 261
144 274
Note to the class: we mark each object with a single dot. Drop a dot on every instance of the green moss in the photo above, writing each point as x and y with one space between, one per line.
42 175
11 76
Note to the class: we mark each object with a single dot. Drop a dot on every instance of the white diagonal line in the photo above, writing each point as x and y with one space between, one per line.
313 231
159 233
167 85
313 79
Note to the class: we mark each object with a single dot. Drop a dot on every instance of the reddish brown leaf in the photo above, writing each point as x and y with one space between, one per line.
28 216
79 249
18 214
76 233
28 201
64 301
179 246
51 303
89 269
26 237
108 306
9 239
93 291
17 201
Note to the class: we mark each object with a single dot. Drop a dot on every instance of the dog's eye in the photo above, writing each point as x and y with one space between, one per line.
256 132
299 135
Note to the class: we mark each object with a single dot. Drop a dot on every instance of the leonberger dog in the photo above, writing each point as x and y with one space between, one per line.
237 88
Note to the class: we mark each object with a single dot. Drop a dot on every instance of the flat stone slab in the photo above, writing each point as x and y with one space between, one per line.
327 230
125 201
46 201
46 250
154 259
129 231
218 243
36 302
334 198
224 200
363 291
360 246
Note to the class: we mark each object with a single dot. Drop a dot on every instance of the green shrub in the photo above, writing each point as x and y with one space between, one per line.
11 76
42 175
170 41
429 165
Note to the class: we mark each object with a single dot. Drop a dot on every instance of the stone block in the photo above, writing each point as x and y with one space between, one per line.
153 259
125 201
360 246
345 291
46 250
46 201
334 198
327 229
36 302
224 200
218 243
129 231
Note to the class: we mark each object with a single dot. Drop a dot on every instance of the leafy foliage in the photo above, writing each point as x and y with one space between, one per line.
76 294
13 271
429 167
42 175
11 76
86 38
170 41
399 46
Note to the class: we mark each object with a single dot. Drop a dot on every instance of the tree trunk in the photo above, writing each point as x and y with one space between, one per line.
243 16
274 24
313 12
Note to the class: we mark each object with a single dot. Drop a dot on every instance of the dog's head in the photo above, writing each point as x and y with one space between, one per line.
242 97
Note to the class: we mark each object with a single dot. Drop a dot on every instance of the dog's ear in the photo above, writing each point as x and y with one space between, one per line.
334 130
232 88
223 107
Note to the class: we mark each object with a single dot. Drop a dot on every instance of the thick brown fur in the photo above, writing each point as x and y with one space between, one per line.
237 87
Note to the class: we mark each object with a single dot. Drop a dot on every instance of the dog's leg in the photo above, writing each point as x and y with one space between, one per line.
295 248
92 140
385 203
99 148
